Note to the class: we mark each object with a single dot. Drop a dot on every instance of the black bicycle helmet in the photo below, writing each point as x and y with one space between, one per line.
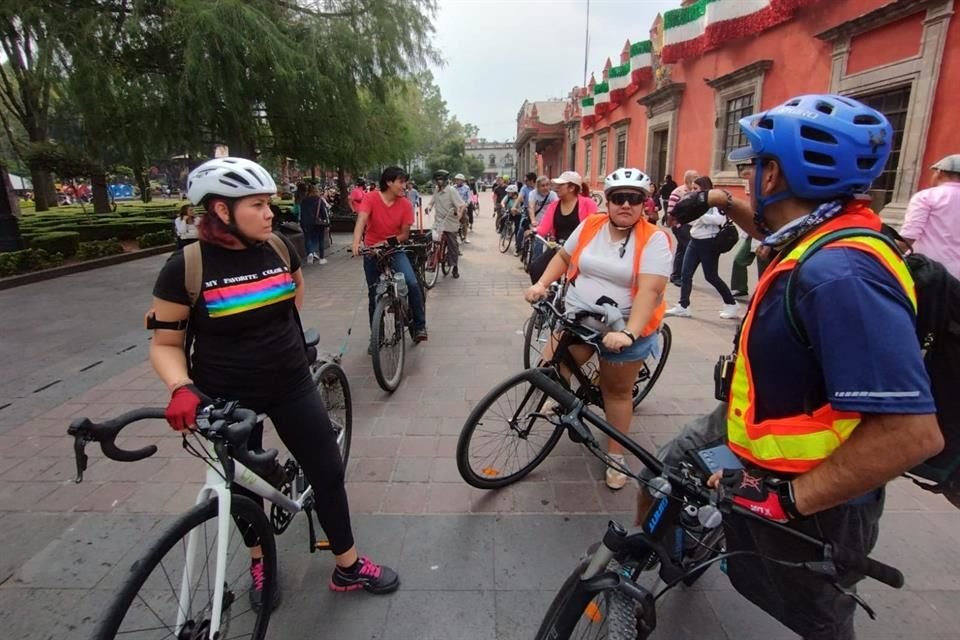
441 174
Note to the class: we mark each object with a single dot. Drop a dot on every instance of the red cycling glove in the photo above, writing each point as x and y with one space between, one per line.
184 403
766 496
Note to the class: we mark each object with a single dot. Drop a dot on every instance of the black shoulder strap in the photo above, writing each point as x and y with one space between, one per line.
833 236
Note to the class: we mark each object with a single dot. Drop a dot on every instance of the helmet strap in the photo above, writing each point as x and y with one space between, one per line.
232 224
759 218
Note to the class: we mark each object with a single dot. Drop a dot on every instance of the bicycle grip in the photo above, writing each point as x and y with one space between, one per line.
112 451
869 567
554 389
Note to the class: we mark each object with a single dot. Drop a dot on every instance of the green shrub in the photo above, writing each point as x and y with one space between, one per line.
99 249
14 262
63 242
155 239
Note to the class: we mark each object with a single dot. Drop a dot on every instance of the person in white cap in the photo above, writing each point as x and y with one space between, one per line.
463 189
563 215
932 223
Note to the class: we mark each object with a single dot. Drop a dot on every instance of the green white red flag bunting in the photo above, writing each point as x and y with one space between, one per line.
641 62
707 24
601 98
587 113
619 81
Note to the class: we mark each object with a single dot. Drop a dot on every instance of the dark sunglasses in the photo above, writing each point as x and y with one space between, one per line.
626 197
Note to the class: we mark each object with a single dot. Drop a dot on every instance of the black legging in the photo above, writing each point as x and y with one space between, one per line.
302 423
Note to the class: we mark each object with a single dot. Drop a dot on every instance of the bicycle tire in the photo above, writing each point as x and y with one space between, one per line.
506 236
434 276
387 303
572 605
533 329
462 233
445 267
489 476
327 378
643 386
141 570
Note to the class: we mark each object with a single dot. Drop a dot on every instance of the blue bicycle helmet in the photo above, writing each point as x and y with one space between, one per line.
828 146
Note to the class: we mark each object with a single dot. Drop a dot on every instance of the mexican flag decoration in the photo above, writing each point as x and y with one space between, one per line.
641 62
587 113
707 24
619 81
601 98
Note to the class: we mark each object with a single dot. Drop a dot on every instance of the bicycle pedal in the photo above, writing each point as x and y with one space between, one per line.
322 545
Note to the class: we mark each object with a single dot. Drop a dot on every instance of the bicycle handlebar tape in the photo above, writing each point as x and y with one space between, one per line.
554 389
869 567
690 207
106 434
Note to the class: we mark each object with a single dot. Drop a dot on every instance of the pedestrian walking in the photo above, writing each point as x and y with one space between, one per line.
311 221
665 190
680 231
932 222
186 226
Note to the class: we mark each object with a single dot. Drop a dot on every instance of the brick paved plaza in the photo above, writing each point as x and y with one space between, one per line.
474 565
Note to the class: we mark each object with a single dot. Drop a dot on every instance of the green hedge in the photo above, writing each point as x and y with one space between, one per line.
155 239
62 242
14 262
99 249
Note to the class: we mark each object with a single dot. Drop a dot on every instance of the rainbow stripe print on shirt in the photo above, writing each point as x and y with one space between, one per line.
247 296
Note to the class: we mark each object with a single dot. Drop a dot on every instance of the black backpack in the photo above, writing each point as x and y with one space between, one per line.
938 330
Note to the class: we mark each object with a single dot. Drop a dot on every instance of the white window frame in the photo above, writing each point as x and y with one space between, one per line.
747 80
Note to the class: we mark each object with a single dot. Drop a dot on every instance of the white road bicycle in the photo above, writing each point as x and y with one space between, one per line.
191 583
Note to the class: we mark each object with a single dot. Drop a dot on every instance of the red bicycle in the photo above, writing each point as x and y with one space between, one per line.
437 258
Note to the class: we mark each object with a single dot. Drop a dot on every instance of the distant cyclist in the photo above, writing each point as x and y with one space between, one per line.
463 190
248 346
449 210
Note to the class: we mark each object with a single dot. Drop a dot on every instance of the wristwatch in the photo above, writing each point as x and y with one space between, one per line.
630 335
787 499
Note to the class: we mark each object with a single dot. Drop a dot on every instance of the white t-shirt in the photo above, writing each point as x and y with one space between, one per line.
603 272
534 199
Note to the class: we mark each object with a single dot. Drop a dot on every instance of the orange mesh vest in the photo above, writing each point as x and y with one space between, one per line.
642 232
796 444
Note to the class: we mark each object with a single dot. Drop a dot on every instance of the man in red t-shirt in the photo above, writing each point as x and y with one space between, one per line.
384 214
357 194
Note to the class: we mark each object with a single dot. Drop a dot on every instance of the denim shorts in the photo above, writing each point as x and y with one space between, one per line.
640 350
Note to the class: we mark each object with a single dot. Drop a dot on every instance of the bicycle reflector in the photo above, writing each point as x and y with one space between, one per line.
592 613
490 472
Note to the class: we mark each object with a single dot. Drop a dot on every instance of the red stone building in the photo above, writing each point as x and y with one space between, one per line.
674 100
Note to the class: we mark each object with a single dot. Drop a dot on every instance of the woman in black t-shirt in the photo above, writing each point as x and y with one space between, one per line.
248 347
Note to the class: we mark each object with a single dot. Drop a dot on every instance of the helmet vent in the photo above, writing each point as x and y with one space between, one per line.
866 119
820 159
793 103
821 181
765 123
817 135
866 163
824 107
236 177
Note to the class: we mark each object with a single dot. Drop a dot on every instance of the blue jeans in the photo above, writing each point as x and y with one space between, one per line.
401 264
521 229
702 253
313 239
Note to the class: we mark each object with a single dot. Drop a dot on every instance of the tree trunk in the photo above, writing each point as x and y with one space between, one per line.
143 181
41 196
10 239
342 187
101 199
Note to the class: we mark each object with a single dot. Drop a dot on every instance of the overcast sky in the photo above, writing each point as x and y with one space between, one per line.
499 52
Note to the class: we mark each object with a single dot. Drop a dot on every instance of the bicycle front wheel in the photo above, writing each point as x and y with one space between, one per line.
506 236
536 335
148 603
578 614
335 391
652 367
436 257
506 435
387 342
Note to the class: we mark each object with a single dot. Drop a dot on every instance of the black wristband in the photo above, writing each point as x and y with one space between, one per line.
787 499
630 335
724 209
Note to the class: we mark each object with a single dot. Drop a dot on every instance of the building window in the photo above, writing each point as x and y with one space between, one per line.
733 138
493 160
602 160
622 148
587 156
894 104
508 160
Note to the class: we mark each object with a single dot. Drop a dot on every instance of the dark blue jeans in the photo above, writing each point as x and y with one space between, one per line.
313 239
401 264
702 253
521 229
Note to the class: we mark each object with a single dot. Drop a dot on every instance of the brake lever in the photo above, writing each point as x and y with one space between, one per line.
858 599
79 451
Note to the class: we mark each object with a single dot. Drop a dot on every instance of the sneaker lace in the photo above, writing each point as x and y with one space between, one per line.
369 569
257 574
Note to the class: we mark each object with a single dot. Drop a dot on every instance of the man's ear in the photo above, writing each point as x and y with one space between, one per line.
773 180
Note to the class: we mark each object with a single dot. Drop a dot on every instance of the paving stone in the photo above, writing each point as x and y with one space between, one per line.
27 534
441 615
519 613
449 553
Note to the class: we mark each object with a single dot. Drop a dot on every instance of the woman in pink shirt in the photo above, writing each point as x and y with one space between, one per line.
932 222
564 215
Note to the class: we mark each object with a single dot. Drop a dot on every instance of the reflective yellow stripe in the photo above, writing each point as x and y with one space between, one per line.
891 260
810 446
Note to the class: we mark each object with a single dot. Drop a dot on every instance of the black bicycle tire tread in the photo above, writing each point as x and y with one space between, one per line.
466 433
143 567
434 275
347 401
560 607
378 312
527 339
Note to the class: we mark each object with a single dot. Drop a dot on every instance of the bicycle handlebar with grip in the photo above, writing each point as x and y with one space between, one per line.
555 390
105 433
238 433
868 566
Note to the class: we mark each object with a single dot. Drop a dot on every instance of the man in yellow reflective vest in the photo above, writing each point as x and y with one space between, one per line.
820 421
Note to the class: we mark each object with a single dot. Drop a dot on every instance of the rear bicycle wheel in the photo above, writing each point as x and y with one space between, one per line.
433 267
536 335
335 391
652 367
503 439
388 344
148 603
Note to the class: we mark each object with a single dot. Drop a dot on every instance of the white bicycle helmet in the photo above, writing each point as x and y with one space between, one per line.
229 178
628 178
512 188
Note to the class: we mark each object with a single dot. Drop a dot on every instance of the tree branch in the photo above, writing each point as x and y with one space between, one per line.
293 6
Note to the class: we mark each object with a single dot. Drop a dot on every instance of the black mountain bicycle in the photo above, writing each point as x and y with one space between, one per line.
603 598
506 229
508 433
391 314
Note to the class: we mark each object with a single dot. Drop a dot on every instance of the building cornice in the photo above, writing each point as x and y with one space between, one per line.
876 18
747 72
666 98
